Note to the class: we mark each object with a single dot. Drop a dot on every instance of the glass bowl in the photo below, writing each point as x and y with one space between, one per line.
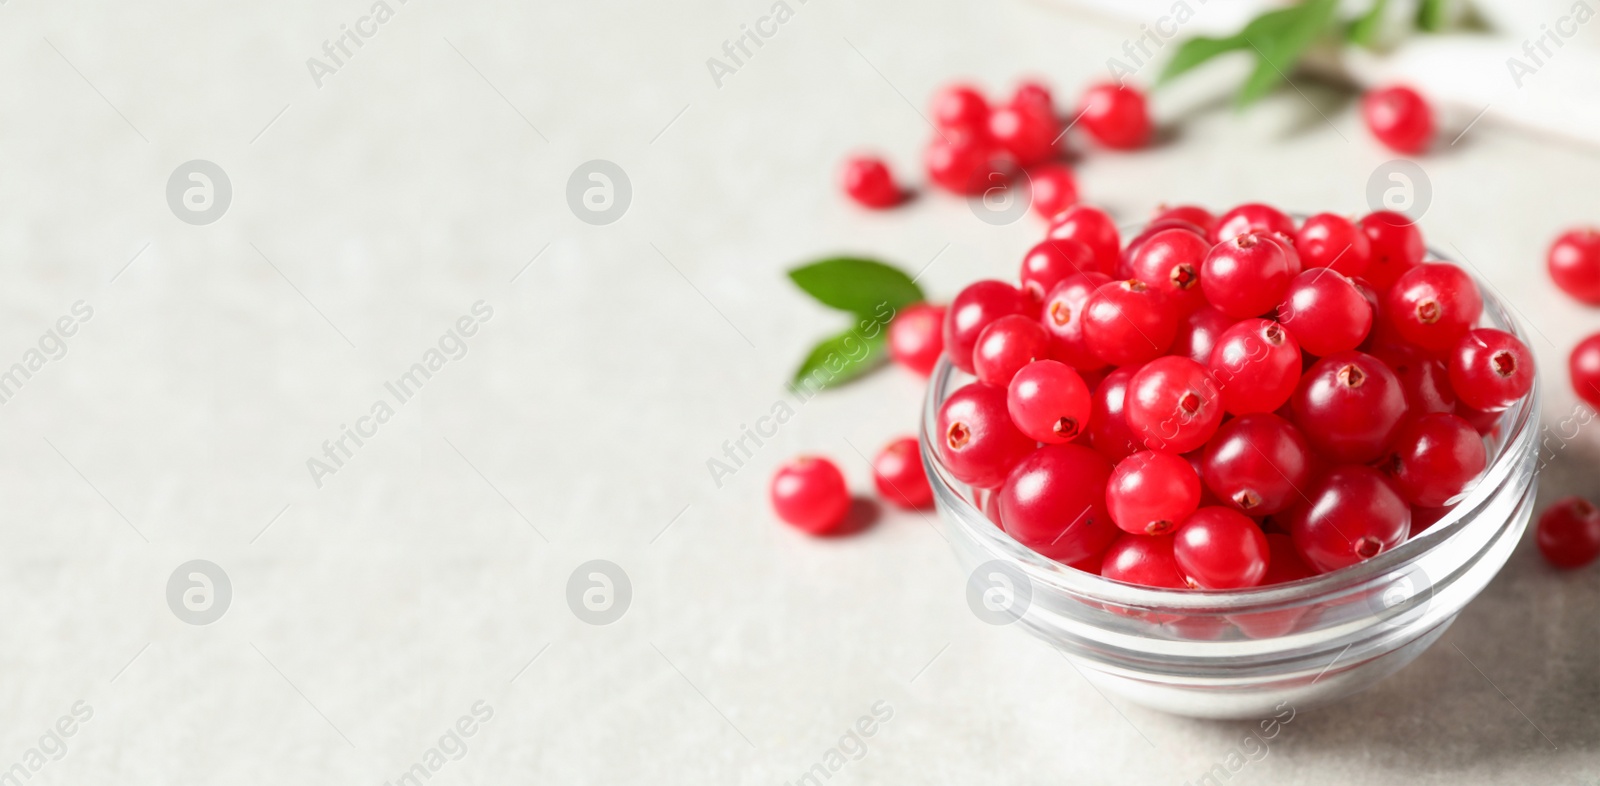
1250 653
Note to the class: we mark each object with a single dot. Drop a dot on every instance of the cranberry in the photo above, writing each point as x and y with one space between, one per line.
1435 457
1251 217
1569 533
1399 118
1353 514
1006 345
1035 95
1173 404
899 476
1349 405
963 163
1049 402
1115 116
1143 560
1124 266
1170 261
1151 493
1192 214
1256 365
916 337
977 440
1257 464
1487 423
1054 503
1325 312
1423 518
1063 318
1490 369
981 303
809 493
1585 369
960 108
1109 432
867 180
1025 132
1432 304
1247 275
1574 261
1334 242
1093 228
1051 262
1396 247
1284 564
1198 334
1218 548
1128 322
1052 188
1422 377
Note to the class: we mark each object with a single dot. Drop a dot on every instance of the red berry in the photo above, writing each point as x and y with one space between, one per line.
867 181
1422 377
977 440
1490 369
1569 533
1049 402
1151 230
1432 305
1093 228
1151 493
1115 116
1063 317
1331 241
1172 404
1353 514
1251 217
1025 132
1574 261
1006 345
1349 405
1256 365
1052 262
1143 560
1192 214
1109 432
1054 503
1052 188
1399 118
1258 464
1487 423
1218 548
963 163
1170 261
1198 334
961 108
1247 276
1325 312
898 474
1435 457
1128 322
1585 369
1285 564
1396 247
809 493
1035 95
981 303
916 337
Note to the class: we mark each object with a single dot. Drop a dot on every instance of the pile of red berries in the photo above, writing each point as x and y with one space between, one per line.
1224 401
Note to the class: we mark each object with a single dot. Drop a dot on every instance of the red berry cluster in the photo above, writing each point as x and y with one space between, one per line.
1569 530
1156 411
810 493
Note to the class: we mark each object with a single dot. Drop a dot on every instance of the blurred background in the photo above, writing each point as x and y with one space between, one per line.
248 541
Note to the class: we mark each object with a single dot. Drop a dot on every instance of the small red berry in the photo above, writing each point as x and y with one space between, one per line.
1334 242
981 303
1144 561
1432 305
1396 247
1025 132
1256 365
977 440
1151 493
1093 228
1325 312
1006 345
1257 464
1584 366
964 164
1247 276
1574 261
1569 533
1109 432
809 493
1251 217
1348 406
1128 322
1423 378
1170 261
1218 548
916 337
1051 262
1198 334
1353 514
899 476
1487 423
1062 316
1192 214
867 180
1052 188
1435 457
1284 564
1490 369
1172 404
1054 503
1035 95
1049 402
961 107
1115 116
1399 118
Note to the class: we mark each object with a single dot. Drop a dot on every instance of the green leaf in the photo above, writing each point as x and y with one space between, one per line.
1199 49
863 287
1364 30
1433 15
841 358
1277 55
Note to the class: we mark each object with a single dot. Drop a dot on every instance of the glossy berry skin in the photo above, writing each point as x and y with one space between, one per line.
1051 262
1432 305
1490 369
1396 247
963 164
1251 217
1198 334
1568 533
1325 312
1256 365
810 494
1109 432
1422 377
1049 402
1192 214
981 303
897 472
1284 564
1006 345
1435 457
1062 317
1054 503
961 107
1348 406
1170 261
1034 95
1151 493
1127 322
977 440
1247 276
916 337
1218 548
1173 405
1334 242
1353 514
1574 262
1584 366
1052 188
866 179
1144 561
1257 464
1124 265
1025 132
1399 118
1115 116
1093 228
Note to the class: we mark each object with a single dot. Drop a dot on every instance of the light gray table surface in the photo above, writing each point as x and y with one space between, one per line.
428 573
